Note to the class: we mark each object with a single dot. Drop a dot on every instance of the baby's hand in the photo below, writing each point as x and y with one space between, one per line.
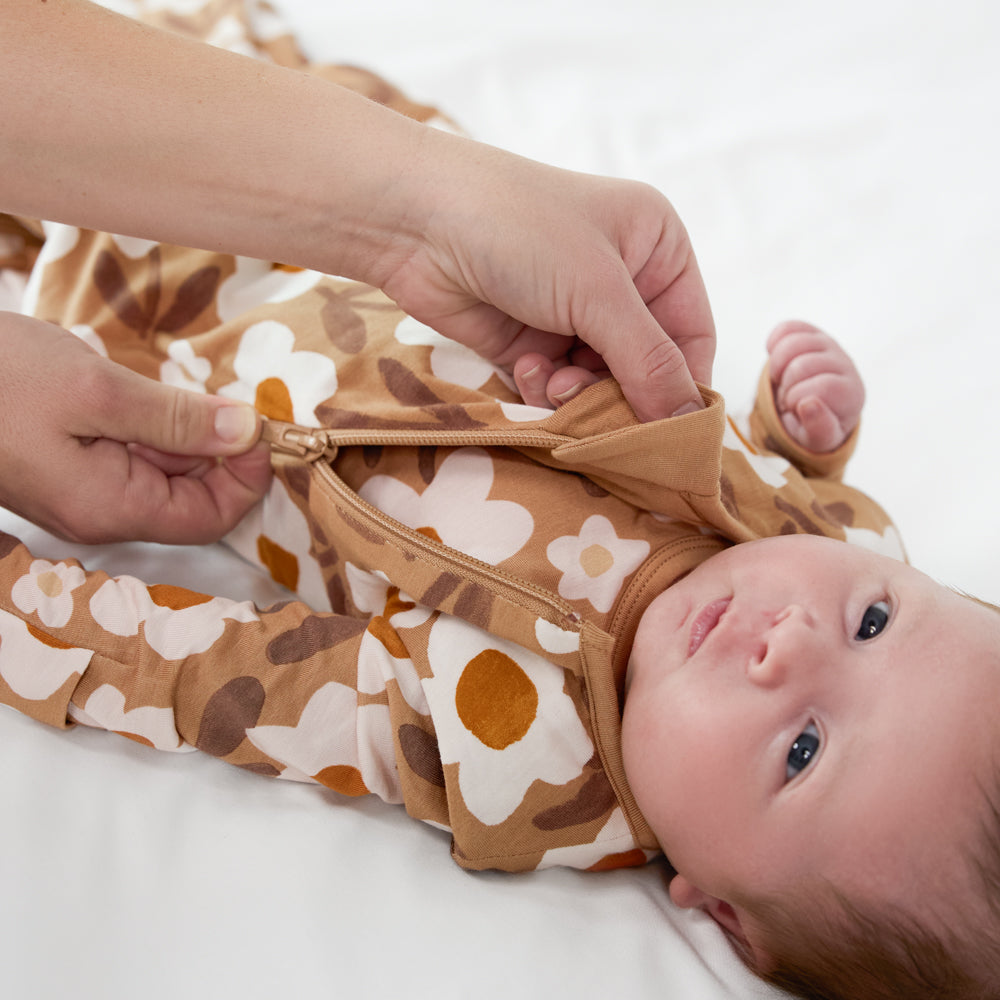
817 389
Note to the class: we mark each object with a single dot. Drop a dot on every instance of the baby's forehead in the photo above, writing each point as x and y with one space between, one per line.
978 630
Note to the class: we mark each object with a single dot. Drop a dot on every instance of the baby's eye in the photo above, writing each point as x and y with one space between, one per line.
802 752
874 620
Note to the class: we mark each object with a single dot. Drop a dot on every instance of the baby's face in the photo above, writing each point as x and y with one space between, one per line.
801 707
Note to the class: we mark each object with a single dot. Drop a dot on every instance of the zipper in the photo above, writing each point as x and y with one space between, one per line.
310 444
314 443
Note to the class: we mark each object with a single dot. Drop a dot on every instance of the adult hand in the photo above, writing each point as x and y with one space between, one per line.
563 278
560 277
94 452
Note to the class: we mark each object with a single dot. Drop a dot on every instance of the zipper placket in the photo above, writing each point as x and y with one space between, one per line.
312 444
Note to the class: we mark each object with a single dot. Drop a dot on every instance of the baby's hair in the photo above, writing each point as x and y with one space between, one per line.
853 953
979 601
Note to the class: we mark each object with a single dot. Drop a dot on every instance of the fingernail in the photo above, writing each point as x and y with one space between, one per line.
236 424
691 407
568 394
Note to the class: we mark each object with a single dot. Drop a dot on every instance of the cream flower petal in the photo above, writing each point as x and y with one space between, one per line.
105 709
501 744
889 543
334 732
185 369
554 639
90 337
172 625
132 246
175 634
377 667
450 361
455 505
615 837
323 736
275 535
59 241
256 282
521 413
368 590
32 668
267 358
47 589
595 563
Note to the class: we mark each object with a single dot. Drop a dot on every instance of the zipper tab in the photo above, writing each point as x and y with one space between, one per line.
308 443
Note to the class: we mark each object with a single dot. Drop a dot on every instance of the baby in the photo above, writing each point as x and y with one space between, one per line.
566 637
484 581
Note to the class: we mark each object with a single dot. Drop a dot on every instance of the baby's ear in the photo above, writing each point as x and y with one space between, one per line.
688 896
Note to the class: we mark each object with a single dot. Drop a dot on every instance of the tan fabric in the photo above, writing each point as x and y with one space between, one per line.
471 570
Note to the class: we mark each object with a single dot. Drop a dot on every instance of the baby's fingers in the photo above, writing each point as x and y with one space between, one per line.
814 425
801 353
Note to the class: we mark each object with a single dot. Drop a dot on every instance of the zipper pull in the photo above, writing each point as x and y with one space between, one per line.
308 443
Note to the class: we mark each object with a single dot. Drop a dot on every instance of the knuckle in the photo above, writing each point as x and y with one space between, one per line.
664 362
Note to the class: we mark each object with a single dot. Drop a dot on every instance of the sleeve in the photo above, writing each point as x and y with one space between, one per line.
704 469
281 691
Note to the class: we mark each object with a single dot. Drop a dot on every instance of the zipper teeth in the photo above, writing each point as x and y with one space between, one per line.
538 595
360 436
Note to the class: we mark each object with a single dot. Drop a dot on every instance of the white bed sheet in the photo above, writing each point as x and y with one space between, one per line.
836 162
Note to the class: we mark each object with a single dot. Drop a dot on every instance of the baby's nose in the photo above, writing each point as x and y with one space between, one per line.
787 648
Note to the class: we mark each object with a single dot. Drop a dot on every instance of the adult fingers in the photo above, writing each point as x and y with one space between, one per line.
125 406
542 383
133 494
650 366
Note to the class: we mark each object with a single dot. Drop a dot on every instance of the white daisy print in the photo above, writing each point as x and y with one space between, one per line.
454 508
185 369
614 838
338 743
33 665
133 247
47 589
450 361
888 543
595 563
176 622
283 383
59 241
256 282
90 337
382 657
105 709
501 713
275 535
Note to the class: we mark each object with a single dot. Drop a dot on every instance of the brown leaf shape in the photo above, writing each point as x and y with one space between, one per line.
404 385
343 325
194 295
110 281
313 636
230 712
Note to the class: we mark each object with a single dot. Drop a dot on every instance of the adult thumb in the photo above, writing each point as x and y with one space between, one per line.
176 421
651 368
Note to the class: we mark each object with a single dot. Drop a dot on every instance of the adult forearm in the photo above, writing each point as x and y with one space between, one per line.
109 124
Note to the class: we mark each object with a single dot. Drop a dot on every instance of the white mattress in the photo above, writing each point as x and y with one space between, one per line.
834 162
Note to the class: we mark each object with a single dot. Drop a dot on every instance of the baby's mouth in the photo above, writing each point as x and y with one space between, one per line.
705 621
